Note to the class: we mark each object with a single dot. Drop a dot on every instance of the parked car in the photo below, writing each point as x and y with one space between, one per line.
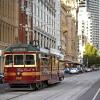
1 78
81 70
88 69
73 71
66 70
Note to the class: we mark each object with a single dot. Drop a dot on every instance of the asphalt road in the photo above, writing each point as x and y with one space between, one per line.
93 93
84 86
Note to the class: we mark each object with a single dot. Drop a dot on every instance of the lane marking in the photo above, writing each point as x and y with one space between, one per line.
96 94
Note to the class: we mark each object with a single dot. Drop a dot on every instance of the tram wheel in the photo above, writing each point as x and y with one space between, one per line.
45 84
39 86
60 78
33 86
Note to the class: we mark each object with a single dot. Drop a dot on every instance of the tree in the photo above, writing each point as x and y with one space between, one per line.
90 54
90 50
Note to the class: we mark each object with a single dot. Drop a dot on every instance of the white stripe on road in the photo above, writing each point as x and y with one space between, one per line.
96 94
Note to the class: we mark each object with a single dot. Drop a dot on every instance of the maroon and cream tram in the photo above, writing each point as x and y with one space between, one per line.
27 65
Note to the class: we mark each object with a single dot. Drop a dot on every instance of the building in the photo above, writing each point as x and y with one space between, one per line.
8 22
8 25
84 28
26 21
88 25
15 17
68 31
93 9
46 23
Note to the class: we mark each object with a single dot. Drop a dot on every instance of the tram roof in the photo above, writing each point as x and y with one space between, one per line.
21 47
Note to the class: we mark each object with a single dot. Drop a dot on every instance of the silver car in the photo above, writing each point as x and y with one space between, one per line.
73 71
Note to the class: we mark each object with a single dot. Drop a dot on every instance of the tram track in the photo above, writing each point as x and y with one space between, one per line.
57 94
66 90
29 92
5 88
53 96
22 94
18 96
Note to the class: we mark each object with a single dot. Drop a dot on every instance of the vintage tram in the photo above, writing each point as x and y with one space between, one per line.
31 66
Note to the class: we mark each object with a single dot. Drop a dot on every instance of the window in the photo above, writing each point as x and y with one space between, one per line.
44 60
18 60
8 60
30 60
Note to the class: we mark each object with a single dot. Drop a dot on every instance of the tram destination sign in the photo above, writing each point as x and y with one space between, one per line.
19 49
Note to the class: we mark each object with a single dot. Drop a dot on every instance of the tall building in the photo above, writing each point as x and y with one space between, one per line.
68 30
46 23
93 9
88 25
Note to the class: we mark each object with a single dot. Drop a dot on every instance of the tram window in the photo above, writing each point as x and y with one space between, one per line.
30 60
45 61
61 65
18 60
8 59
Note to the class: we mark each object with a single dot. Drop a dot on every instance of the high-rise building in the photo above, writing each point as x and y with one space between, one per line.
93 9
88 25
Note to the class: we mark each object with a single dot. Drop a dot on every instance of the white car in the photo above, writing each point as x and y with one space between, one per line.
73 71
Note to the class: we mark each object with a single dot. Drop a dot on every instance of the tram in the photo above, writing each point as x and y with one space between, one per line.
30 66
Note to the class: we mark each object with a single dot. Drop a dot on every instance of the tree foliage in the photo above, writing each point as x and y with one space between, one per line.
90 50
90 55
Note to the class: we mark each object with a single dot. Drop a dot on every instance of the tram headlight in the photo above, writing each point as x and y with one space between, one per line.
18 73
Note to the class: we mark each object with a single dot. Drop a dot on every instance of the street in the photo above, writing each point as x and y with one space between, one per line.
84 86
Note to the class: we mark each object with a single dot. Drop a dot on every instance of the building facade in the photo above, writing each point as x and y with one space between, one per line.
88 25
84 27
25 21
8 22
93 9
46 23
68 32
8 25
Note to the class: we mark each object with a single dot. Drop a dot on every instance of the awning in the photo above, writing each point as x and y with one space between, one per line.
72 62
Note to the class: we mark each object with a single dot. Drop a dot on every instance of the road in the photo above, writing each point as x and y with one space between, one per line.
84 86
